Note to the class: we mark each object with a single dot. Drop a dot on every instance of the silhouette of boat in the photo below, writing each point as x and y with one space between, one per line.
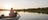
10 18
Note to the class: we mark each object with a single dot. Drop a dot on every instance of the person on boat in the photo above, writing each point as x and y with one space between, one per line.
11 12
2 15
15 13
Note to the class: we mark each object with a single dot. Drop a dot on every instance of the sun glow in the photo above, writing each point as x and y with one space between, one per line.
6 13
8 6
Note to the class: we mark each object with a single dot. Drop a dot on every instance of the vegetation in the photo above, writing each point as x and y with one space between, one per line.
38 10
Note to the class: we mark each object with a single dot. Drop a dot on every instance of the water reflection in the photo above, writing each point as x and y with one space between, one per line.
32 16
6 13
29 16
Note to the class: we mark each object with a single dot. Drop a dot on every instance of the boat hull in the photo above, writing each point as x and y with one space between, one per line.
12 18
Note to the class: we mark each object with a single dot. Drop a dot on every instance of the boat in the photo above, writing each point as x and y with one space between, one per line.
10 18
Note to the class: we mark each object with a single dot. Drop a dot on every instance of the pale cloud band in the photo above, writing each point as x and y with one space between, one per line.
21 4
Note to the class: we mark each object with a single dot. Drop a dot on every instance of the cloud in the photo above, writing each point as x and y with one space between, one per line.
26 3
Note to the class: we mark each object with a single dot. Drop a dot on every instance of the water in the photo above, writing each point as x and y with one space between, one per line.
28 16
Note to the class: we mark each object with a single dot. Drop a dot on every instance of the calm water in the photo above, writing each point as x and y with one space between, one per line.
28 16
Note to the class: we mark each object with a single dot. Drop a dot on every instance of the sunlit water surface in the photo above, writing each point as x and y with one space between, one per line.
28 16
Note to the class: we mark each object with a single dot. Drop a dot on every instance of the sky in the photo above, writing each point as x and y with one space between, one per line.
21 4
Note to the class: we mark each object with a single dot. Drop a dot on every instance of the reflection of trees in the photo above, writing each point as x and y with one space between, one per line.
40 10
43 10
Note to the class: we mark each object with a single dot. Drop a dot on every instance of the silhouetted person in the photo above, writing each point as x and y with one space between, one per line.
2 15
15 14
11 12
17 17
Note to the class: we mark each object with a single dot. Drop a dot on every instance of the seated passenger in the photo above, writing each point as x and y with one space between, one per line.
2 15
11 13
15 14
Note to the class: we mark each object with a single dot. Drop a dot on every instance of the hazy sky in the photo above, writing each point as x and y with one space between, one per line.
20 4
